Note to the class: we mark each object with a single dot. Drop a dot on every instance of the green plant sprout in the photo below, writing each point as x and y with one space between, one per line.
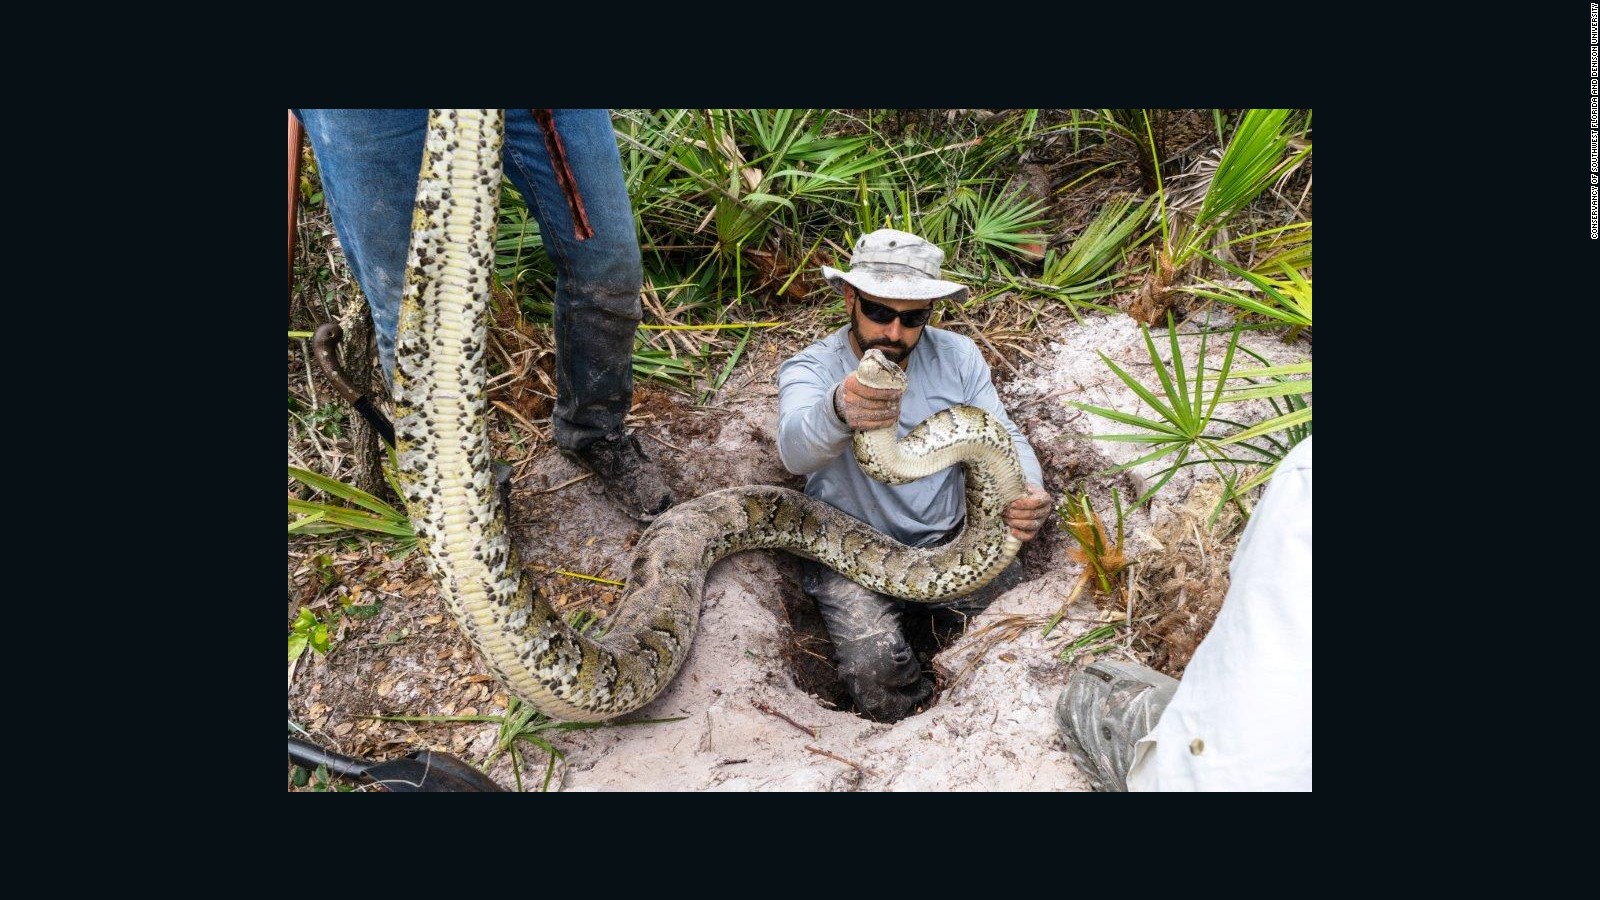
1102 560
308 630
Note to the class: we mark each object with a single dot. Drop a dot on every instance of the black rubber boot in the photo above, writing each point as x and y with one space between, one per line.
630 478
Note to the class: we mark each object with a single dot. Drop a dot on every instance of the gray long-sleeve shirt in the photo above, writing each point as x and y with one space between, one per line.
944 370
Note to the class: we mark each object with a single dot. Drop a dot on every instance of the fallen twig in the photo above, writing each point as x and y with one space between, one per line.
568 574
978 332
772 712
718 327
857 766
511 411
813 653
1128 616
654 302
568 483
663 443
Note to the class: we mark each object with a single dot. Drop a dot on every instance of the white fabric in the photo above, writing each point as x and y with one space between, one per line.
1246 695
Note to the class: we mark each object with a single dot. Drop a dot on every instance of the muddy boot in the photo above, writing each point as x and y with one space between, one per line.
1107 707
874 660
631 479
884 677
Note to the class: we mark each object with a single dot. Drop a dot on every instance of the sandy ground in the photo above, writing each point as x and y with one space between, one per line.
990 728
993 730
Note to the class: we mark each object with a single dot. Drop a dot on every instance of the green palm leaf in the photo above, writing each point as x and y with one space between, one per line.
369 514
1100 247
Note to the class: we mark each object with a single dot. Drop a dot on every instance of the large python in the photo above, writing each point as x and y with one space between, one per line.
445 475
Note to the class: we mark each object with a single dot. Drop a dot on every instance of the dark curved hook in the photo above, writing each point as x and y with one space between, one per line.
325 345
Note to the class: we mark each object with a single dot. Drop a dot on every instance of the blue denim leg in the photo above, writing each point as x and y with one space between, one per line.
370 159
597 307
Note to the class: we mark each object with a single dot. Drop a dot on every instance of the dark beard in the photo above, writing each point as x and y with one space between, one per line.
895 353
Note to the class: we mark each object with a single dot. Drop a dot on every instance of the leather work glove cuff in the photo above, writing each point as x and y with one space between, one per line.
836 410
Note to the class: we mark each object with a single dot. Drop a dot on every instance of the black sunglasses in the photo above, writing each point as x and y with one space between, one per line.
883 315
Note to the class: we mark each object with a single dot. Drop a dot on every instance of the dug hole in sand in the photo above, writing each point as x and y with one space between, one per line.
990 728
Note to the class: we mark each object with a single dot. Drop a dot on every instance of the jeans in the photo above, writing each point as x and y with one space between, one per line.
870 650
370 159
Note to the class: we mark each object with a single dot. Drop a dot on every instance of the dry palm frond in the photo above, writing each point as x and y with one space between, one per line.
1188 578
1157 295
1003 629
1094 550
1187 192
1102 559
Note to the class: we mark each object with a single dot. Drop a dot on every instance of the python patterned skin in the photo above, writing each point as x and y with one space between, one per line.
444 455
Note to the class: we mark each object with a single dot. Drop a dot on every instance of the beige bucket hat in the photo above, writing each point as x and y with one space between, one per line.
896 265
